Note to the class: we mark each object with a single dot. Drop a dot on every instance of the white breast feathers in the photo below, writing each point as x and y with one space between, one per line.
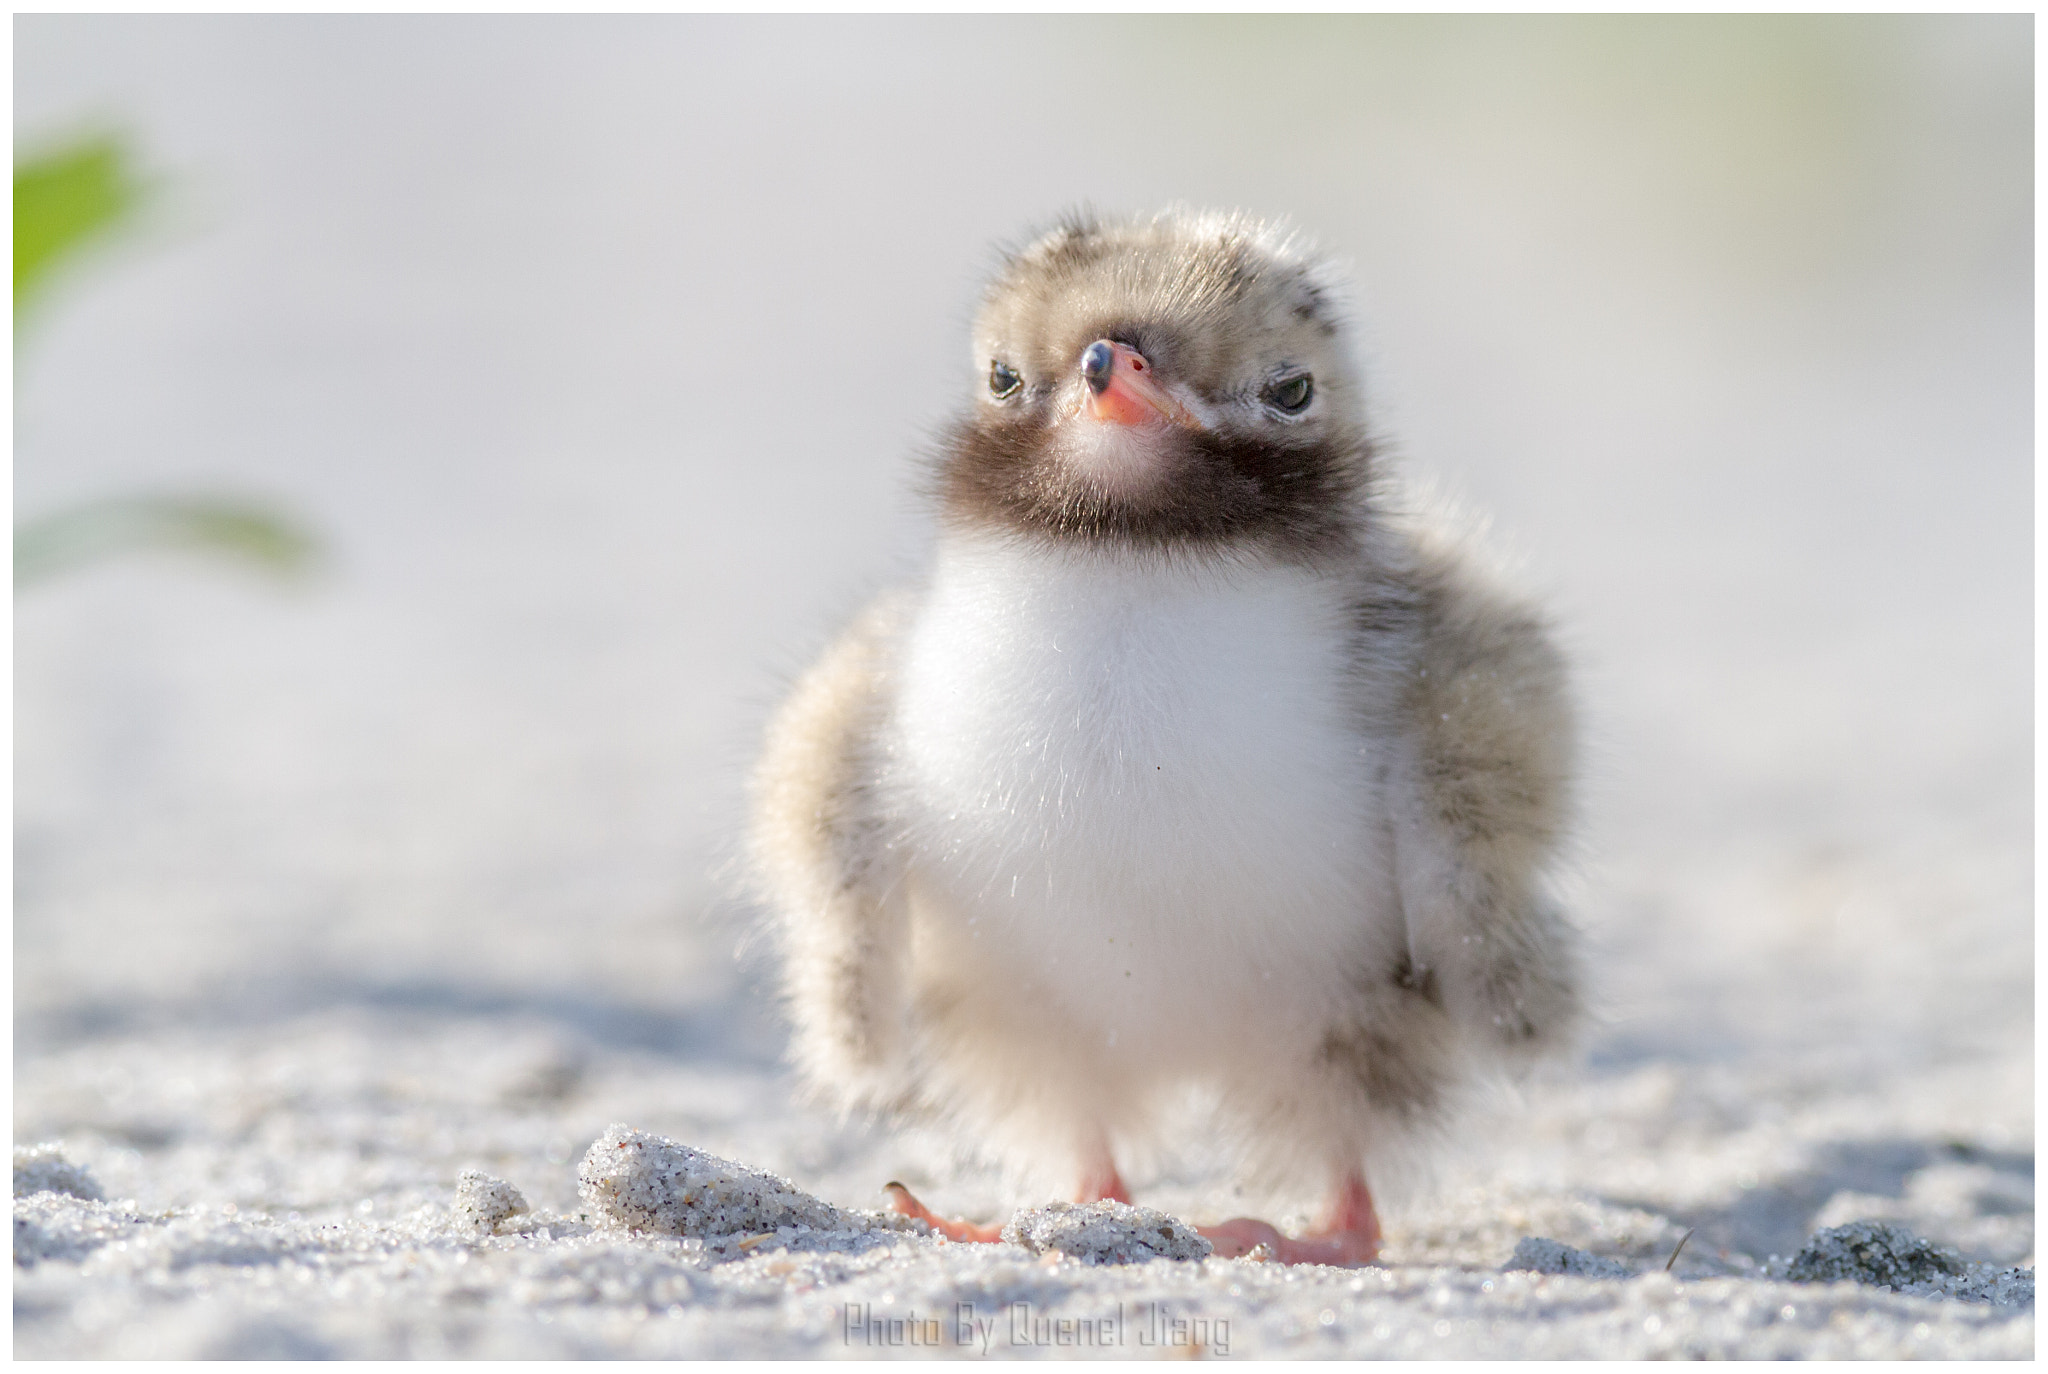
1127 781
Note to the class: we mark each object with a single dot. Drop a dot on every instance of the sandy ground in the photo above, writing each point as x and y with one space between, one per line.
598 352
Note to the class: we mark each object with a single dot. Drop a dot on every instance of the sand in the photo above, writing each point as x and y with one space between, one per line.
299 1190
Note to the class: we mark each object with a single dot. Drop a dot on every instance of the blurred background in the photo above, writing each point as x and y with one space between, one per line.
597 354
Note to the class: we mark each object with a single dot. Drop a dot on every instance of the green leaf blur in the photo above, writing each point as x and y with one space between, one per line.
82 534
63 200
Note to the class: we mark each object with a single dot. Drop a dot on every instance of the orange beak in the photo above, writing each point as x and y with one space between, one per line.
1122 390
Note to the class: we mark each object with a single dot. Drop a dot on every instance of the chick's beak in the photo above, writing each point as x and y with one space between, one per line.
1122 388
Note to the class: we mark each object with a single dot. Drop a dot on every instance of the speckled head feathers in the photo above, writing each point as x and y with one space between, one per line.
1260 445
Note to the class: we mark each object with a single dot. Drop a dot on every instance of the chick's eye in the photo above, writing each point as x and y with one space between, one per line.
1003 380
1291 397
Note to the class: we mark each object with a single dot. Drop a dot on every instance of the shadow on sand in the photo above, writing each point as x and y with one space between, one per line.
738 1029
1778 1215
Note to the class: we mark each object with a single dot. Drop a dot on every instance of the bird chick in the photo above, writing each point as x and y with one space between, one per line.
1189 762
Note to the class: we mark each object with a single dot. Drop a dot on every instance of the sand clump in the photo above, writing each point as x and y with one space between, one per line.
1872 1252
1538 1255
1883 1255
1105 1233
44 1169
486 1204
638 1181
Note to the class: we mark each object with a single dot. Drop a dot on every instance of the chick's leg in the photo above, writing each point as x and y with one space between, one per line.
1099 1179
1350 1227
1348 1234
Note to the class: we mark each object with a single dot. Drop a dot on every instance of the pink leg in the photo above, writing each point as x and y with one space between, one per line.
1099 1178
1348 1234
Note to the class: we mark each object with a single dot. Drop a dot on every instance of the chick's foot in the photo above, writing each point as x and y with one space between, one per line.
952 1228
1348 1235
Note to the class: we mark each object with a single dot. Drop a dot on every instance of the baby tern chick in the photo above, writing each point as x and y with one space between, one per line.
1189 763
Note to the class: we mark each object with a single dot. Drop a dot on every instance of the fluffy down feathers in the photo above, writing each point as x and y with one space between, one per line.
1220 776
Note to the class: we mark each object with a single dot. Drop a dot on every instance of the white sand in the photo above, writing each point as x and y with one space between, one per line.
290 1189
597 352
